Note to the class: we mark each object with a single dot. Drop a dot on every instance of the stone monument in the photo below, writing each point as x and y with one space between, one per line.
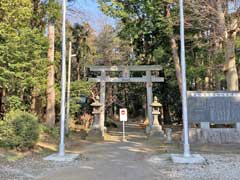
218 108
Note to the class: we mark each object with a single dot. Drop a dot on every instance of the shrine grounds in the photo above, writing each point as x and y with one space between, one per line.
140 158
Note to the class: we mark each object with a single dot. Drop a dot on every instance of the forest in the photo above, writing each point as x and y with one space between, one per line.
146 33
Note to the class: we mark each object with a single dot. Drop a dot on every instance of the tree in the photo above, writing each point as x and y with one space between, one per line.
149 24
22 51
111 49
221 20
152 26
81 46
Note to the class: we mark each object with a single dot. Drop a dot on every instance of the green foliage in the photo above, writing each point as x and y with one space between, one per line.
23 53
15 13
22 59
79 88
144 22
14 103
238 41
82 37
53 132
152 24
53 10
238 47
19 130
150 27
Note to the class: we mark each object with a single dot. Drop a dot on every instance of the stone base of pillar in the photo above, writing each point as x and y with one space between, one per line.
192 159
168 132
157 131
237 126
205 125
95 134
148 129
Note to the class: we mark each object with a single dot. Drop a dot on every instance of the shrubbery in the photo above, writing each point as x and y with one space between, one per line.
13 103
19 130
53 132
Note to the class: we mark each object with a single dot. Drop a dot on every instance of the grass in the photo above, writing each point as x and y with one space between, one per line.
10 155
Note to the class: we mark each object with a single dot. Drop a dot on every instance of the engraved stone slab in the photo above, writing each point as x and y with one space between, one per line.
214 107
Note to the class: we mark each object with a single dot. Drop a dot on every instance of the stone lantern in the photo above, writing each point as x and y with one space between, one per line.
156 128
96 133
96 112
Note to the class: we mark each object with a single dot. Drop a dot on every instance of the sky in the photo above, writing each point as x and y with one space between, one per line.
90 12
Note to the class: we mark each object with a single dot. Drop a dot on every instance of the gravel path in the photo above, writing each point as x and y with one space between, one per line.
216 167
122 161
33 167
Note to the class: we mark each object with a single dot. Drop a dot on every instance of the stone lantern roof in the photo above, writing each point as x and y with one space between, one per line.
96 103
156 103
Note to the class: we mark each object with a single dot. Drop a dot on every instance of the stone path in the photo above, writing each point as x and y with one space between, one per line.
114 160
110 161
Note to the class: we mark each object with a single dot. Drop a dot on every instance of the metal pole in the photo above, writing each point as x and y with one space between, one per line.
63 81
184 86
69 84
124 131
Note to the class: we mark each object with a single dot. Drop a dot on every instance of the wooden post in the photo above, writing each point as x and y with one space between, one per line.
102 100
149 98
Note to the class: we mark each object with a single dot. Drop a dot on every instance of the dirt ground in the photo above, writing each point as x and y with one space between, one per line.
140 158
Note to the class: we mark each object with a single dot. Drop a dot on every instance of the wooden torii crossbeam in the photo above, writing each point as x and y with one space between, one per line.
125 77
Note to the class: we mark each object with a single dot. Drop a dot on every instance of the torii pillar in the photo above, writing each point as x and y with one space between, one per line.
149 99
102 100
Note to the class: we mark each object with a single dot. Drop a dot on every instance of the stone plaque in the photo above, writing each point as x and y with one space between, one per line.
214 107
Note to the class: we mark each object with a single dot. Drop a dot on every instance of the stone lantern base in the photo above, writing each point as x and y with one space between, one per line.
95 134
157 131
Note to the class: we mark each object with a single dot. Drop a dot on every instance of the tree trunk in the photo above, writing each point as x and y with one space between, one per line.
166 113
176 63
1 102
33 100
115 100
50 113
207 82
174 49
238 69
230 65
110 99
229 46
198 84
78 70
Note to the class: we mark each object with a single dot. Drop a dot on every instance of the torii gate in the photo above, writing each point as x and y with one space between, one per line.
125 78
